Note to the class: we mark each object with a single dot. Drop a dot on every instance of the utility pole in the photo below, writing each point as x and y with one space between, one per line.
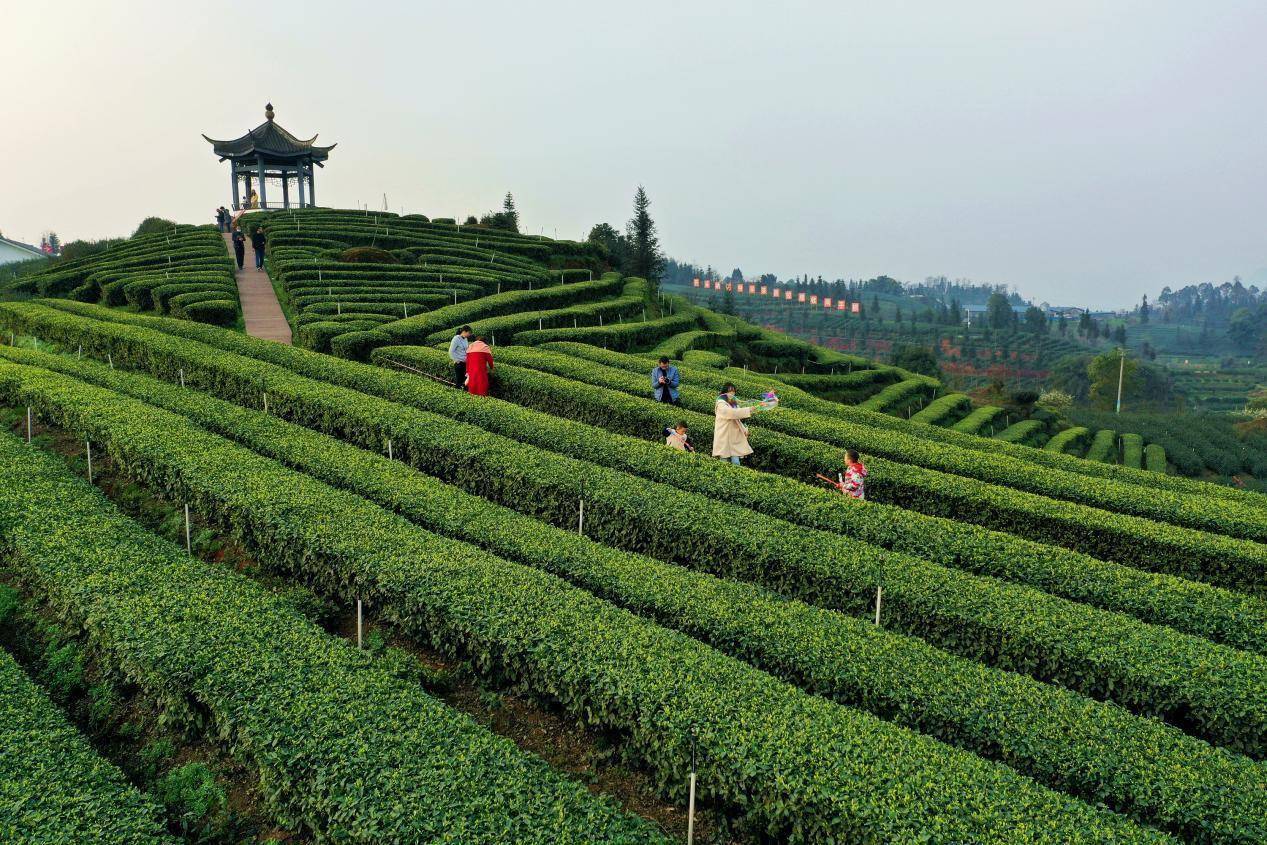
1121 371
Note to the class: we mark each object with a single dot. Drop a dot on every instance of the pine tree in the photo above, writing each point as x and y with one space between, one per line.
511 213
1144 310
645 259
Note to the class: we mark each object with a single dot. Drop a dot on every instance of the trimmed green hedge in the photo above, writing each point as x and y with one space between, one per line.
705 358
805 444
1132 450
1188 606
1078 466
341 747
1155 458
54 787
896 397
1071 439
943 410
1138 766
801 768
1028 432
1104 449
1150 669
418 329
622 336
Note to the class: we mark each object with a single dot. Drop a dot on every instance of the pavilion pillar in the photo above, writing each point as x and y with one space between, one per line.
312 184
263 194
233 177
300 184
285 189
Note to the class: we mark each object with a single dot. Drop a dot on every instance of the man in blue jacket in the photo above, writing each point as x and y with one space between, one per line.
664 382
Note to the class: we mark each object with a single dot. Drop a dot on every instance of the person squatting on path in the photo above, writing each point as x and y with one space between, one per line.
675 438
730 435
257 244
855 483
457 354
239 245
479 367
665 381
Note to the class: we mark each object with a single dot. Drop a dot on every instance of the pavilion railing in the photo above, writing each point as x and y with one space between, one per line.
266 206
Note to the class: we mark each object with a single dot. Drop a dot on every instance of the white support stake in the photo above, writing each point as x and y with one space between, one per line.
266 403
580 521
110 358
390 457
79 354
690 801
189 543
359 624
879 597
28 424
88 444
182 376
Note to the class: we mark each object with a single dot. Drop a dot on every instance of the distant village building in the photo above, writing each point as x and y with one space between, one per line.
12 252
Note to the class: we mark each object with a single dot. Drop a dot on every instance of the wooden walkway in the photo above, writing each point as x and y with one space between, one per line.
260 308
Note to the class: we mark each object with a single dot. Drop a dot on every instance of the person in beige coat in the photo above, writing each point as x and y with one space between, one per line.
730 435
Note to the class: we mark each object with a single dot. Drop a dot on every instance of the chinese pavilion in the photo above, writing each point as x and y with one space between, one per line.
269 152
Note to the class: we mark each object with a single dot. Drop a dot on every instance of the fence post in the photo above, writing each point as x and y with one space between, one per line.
580 520
359 625
79 355
405 305
266 403
690 801
879 595
28 424
189 543
110 359
182 376
88 444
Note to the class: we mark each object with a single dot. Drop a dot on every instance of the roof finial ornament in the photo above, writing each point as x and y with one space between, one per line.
268 111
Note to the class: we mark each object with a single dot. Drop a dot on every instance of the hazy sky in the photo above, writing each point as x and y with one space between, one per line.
1085 152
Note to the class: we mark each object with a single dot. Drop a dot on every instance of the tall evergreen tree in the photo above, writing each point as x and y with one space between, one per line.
644 257
510 213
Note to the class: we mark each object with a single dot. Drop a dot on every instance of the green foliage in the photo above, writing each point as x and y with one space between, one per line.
643 257
1070 440
847 659
1029 432
917 359
1103 446
943 410
1154 458
367 255
1133 449
338 743
154 226
1104 372
456 594
194 801
54 788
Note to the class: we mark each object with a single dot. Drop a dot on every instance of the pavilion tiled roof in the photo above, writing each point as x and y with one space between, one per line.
272 142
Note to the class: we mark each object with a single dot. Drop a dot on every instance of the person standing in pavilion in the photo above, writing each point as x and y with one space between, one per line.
239 245
479 367
257 244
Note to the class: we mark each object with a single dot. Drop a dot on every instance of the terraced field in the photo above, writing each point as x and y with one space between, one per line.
1003 644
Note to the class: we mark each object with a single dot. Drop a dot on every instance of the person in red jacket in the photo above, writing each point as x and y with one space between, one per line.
479 367
855 484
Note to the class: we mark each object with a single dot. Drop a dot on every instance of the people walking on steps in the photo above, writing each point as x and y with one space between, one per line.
457 354
257 244
855 481
675 437
730 435
222 219
479 367
239 245
665 381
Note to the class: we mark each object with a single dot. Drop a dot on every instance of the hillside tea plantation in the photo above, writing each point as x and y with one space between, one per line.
374 607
